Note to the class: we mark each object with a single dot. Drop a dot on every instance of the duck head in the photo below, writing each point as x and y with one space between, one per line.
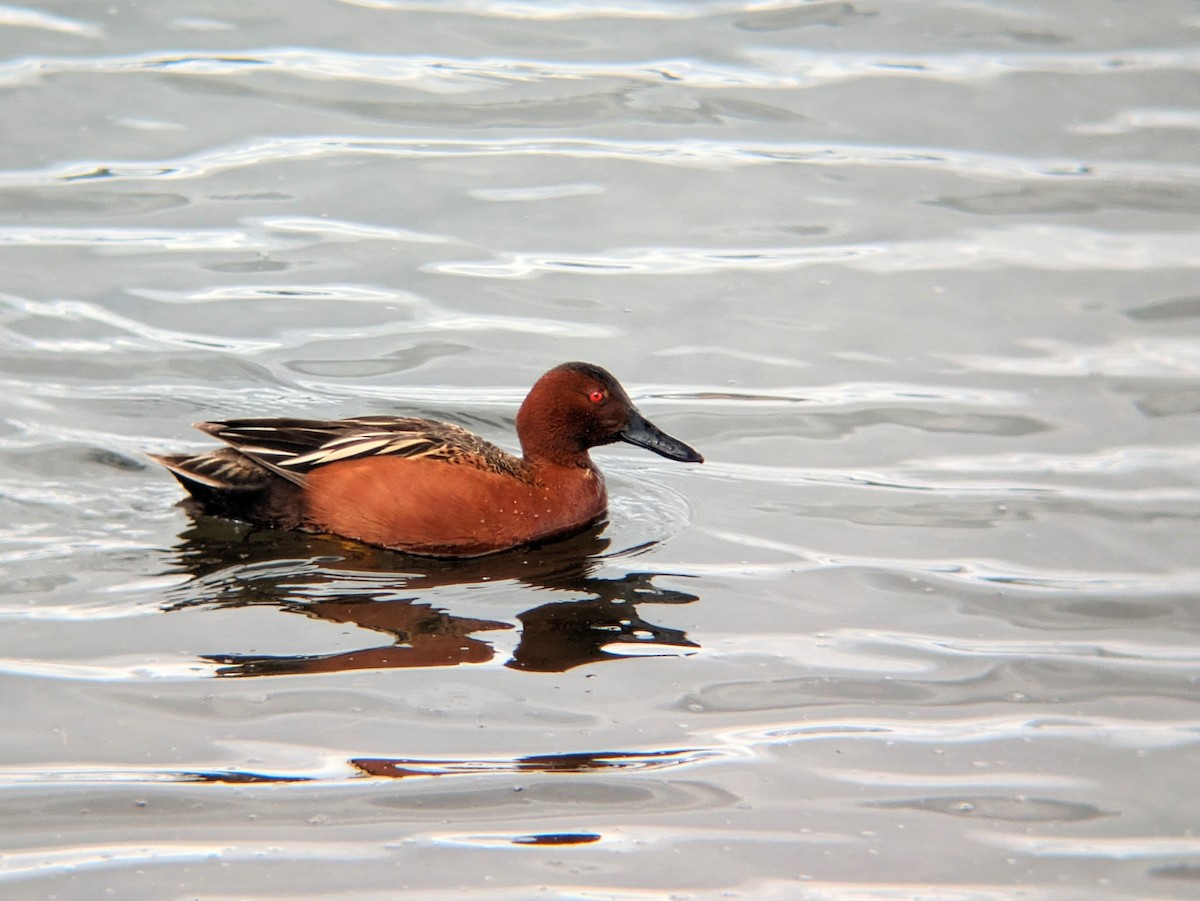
577 406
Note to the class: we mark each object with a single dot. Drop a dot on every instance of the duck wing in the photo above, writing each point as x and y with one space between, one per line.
292 448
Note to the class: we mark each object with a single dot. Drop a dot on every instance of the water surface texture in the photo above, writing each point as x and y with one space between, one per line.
920 280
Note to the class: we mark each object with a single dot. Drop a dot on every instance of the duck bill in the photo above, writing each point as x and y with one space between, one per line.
644 433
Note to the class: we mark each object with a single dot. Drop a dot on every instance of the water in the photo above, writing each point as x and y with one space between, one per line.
918 279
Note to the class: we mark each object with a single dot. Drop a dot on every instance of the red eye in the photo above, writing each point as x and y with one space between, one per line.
596 396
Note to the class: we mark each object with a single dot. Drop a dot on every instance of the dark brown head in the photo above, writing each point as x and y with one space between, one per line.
577 406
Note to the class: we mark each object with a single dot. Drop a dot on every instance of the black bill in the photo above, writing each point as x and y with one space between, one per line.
644 433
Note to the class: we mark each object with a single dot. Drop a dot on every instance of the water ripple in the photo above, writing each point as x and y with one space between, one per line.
990 574
43 862
1114 652
1097 847
297 290
330 229
1044 247
1100 461
130 238
1122 733
132 332
568 10
767 70
20 17
703 153
908 480
1141 357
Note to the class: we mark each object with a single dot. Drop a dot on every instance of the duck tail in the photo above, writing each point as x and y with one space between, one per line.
227 483
220 470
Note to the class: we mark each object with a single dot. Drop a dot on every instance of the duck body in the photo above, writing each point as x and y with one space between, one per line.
427 487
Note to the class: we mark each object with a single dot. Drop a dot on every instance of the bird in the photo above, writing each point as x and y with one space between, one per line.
422 486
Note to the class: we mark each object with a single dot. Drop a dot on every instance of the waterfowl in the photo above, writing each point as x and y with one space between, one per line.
427 487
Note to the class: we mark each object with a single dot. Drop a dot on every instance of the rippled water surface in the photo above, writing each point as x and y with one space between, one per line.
918 278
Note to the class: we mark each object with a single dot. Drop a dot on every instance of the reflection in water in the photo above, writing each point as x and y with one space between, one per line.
343 582
424 636
400 768
231 777
557 838
557 637
383 768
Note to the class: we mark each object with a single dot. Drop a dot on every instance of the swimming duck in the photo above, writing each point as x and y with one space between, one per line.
427 487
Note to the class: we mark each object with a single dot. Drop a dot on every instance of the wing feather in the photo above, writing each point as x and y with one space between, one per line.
292 448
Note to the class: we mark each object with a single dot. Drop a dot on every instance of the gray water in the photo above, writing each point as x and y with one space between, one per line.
918 278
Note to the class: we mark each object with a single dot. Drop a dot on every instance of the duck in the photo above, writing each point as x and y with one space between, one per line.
421 486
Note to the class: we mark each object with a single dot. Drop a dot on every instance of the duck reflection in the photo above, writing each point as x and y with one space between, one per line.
347 583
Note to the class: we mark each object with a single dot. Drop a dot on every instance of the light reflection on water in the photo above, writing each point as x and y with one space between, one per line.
919 281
